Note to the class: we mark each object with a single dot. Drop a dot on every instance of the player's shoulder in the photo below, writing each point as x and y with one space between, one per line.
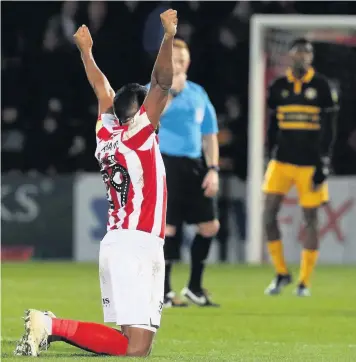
321 79
278 82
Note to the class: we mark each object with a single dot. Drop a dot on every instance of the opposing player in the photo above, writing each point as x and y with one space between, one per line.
131 261
300 137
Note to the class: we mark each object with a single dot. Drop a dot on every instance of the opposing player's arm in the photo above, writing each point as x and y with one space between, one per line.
104 93
162 74
330 108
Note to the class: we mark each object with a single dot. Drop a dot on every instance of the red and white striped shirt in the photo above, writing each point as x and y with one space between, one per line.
133 172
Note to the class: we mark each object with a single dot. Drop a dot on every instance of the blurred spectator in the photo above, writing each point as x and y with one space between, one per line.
61 27
153 30
49 109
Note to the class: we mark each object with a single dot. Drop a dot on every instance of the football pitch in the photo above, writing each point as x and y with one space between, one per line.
248 327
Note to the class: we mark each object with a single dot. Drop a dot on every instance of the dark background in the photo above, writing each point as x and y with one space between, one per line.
49 109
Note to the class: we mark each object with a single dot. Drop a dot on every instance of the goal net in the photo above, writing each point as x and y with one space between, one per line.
334 41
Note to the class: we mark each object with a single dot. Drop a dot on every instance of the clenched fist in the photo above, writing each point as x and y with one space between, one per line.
169 21
83 39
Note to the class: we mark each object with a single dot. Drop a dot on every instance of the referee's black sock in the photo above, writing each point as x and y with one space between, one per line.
199 252
167 277
171 253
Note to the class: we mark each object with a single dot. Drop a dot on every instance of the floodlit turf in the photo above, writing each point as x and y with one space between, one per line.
248 327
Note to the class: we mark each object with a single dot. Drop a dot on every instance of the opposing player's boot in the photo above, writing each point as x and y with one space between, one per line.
171 300
36 334
278 283
302 291
199 297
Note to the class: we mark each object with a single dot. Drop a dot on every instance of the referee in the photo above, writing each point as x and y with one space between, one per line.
187 126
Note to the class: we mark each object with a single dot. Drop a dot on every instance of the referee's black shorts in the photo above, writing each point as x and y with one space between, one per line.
186 200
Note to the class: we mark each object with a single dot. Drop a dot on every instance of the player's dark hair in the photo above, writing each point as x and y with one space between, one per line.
125 97
301 41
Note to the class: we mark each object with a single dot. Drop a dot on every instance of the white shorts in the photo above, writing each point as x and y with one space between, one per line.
131 270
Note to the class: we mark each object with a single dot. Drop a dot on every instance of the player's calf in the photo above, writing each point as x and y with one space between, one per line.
140 340
311 228
270 223
310 253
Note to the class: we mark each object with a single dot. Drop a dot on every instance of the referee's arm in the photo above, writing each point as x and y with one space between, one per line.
210 149
209 133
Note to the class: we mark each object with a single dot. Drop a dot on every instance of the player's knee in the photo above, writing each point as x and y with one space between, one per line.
171 230
171 248
270 218
139 351
311 222
311 218
209 229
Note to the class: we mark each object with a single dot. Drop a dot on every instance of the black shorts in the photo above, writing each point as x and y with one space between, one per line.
186 200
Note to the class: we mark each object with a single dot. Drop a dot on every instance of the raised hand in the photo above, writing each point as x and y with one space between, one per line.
83 39
169 21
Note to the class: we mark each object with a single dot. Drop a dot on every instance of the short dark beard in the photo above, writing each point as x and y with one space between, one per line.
299 71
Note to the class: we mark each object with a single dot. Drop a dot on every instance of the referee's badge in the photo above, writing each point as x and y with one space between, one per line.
199 115
285 93
310 93
334 96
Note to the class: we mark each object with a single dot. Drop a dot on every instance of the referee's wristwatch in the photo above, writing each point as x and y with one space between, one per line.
215 168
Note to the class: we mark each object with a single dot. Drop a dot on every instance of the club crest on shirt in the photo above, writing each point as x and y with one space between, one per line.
285 93
199 115
334 96
310 93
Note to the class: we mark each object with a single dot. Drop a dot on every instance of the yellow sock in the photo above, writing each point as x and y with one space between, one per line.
307 264
275 249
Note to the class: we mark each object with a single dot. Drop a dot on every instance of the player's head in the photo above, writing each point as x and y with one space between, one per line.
128 100
301 52
181 56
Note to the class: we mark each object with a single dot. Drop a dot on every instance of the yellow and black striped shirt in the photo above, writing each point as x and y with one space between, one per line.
299 107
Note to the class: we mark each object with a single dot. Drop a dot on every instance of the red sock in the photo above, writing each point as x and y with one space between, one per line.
92 337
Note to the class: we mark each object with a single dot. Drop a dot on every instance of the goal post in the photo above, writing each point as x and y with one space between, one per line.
312 27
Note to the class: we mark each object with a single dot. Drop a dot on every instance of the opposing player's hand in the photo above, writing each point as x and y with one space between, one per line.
169 21
211 183
83 39
321 172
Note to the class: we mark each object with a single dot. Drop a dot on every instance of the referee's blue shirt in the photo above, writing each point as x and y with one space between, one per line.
189 116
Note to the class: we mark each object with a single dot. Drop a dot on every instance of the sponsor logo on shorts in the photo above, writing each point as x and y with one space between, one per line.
160 307
106 302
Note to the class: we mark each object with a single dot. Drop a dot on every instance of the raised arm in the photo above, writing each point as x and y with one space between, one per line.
162 74
104 93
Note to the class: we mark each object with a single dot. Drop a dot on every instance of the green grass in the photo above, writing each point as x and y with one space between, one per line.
248 327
